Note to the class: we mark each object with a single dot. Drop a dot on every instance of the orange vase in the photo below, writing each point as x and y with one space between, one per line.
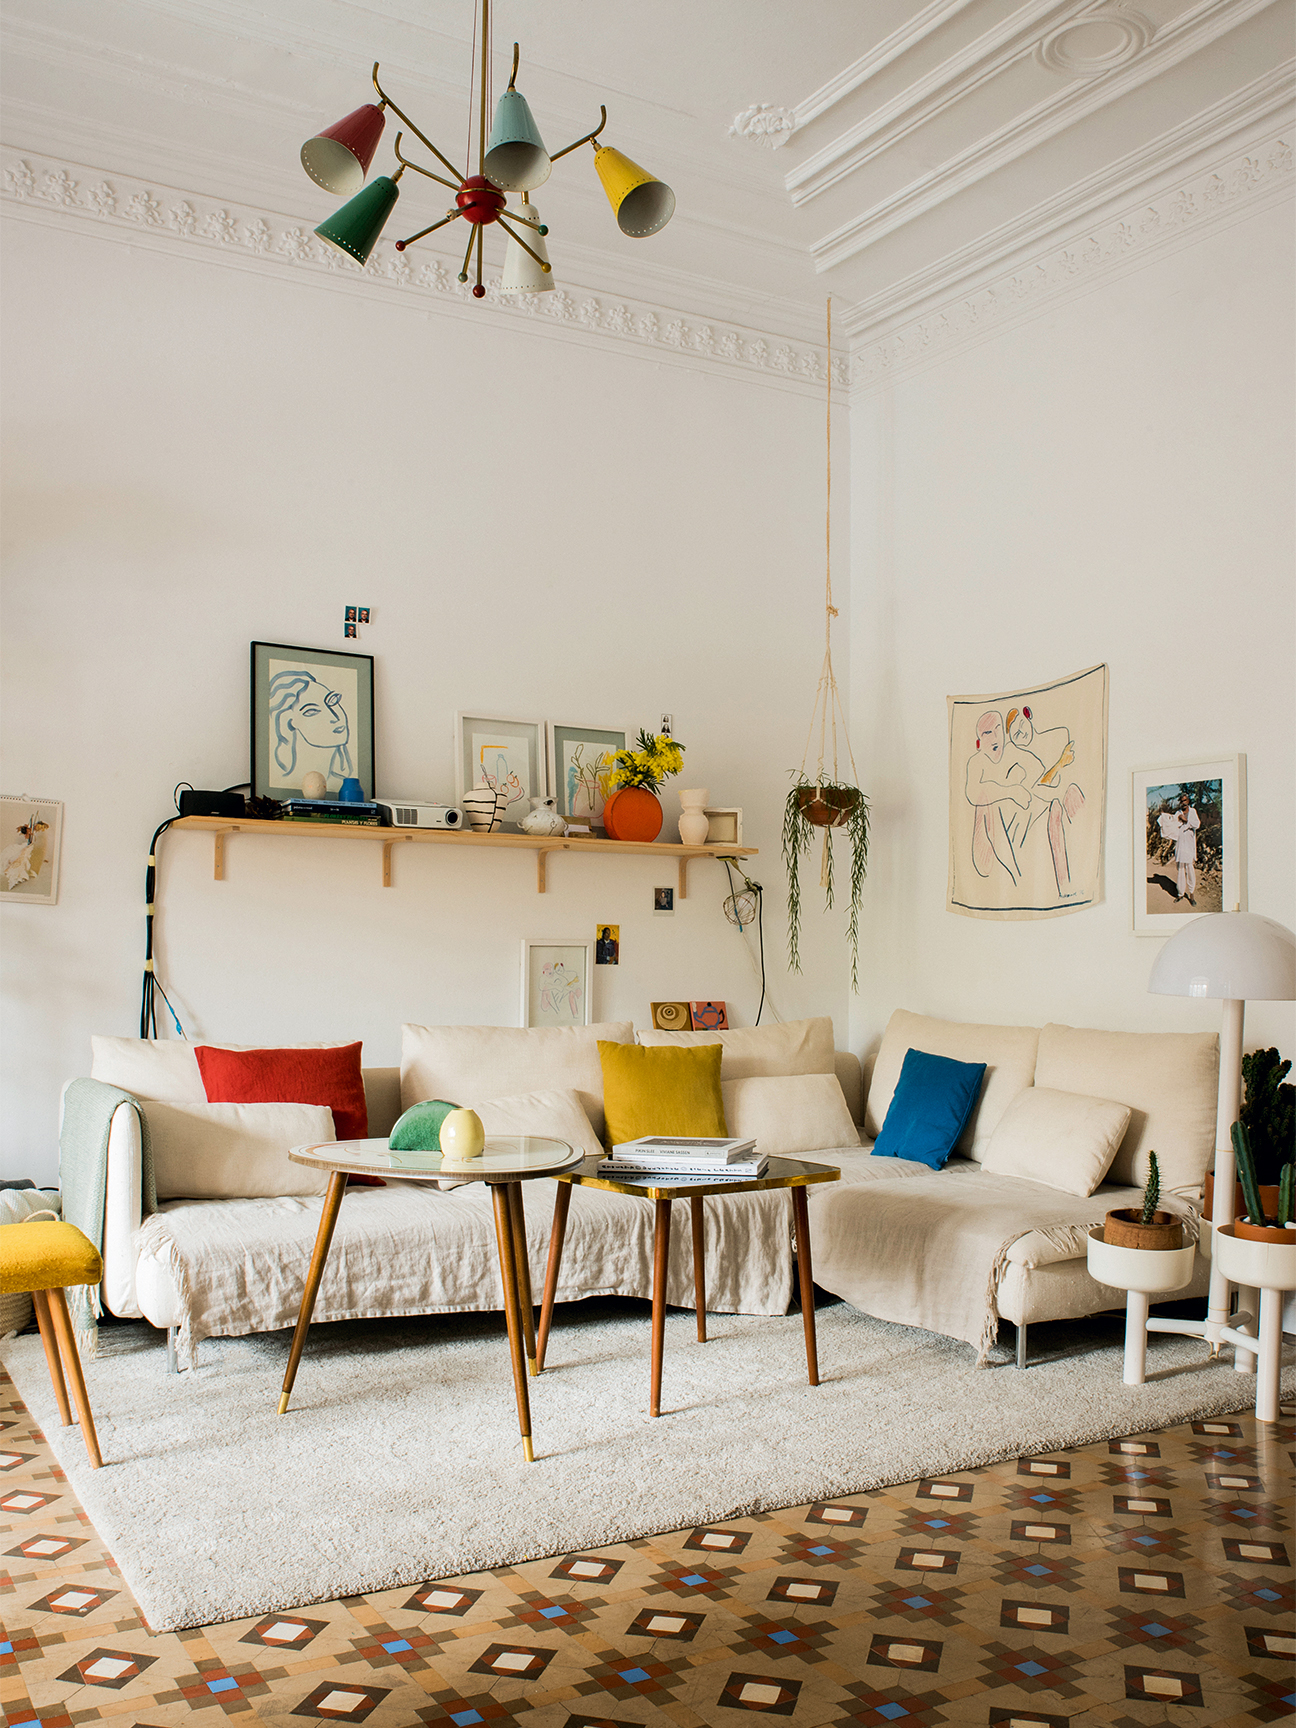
632 814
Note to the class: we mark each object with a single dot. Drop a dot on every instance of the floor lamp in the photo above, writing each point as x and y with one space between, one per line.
1234 957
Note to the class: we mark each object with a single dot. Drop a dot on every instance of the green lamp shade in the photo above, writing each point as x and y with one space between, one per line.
516 159
354 229
419 1129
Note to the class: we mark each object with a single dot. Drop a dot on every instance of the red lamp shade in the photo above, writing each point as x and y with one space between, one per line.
338 158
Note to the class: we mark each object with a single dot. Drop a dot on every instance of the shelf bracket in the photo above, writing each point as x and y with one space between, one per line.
386 861
541 856
683 878
218 855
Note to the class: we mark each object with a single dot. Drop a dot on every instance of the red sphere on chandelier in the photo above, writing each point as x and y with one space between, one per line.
479 201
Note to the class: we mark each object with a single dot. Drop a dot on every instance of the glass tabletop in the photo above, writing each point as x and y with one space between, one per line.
507 1157
779 1173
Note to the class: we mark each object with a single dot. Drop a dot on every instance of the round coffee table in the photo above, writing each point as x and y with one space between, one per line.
508 1161
790 1173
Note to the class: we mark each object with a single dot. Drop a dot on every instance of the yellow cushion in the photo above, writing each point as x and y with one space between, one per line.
672 1090
46 1257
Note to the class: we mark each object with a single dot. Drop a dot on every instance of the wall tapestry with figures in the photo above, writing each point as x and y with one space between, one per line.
1028 791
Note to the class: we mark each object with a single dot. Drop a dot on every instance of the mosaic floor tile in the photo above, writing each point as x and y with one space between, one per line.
1127 1584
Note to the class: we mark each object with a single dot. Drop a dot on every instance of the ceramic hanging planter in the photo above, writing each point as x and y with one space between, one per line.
827 806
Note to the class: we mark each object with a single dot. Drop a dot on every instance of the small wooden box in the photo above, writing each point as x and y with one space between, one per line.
724 827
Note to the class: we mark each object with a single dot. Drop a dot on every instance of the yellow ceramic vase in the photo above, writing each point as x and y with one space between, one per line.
462 1137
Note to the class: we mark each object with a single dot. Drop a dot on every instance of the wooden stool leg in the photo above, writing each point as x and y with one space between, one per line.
517 1218
323 1237
661 1263
72 1363
562 1205
49 1339
512 1309
699 1266
805 1277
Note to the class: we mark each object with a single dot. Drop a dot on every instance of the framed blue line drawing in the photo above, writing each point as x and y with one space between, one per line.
312 710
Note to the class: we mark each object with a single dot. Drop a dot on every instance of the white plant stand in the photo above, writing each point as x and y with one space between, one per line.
1143 1273
1270 1268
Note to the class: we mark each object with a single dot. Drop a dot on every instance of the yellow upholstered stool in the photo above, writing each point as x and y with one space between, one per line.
44 1259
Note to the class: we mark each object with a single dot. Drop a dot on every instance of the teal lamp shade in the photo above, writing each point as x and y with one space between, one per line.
354 229
516 159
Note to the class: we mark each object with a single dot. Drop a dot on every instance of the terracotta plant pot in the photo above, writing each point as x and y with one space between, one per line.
1279 1233
827 806
632 814
1124 1229
1268 1197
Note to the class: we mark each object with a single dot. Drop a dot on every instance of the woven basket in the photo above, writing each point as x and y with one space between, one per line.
15 1312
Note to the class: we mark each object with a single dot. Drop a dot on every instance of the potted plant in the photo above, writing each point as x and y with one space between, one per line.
1144 1226
633 810
1269 1116
1259 1224
821 805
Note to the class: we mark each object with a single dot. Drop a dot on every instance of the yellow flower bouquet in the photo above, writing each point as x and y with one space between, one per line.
656 758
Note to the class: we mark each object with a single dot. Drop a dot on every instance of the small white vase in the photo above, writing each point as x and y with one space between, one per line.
693 822
462 1137
543 818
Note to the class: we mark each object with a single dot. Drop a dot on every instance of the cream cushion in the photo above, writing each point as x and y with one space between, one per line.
1058 1138
796 1047
165 1068
1170 1080
788 1114
1007 1051
471 1064
235 1151
557 1115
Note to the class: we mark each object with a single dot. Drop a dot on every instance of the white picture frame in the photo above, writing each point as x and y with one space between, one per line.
1216 790
31 841
724 825
557 982
489 747
603 742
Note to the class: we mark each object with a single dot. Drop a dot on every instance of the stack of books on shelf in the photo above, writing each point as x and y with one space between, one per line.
679 1159
352 815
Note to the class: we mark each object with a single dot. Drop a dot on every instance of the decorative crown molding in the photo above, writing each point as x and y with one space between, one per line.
120 208
1180 215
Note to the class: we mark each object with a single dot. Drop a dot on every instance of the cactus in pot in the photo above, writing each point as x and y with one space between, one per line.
1145 1225
1286 1182
1247 1174
1151 1190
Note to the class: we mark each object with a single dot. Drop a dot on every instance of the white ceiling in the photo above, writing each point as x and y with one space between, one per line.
918 129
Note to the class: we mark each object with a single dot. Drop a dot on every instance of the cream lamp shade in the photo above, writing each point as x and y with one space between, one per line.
1236 956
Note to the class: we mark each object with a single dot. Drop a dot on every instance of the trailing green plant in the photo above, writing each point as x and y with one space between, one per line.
1151 1190
1268 1112
798 831
1247 1174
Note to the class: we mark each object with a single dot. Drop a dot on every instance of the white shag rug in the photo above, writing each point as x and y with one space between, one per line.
399 1460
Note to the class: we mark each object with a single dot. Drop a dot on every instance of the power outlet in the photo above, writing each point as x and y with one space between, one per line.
667 727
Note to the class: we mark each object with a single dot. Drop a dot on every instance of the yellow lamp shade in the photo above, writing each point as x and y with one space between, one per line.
642 203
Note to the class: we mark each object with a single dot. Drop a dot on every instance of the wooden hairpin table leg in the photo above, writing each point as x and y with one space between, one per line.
699 1266
805 1277
517 1218
323 1237
562 1205
72 1362
512 1309
49 1338
661 1263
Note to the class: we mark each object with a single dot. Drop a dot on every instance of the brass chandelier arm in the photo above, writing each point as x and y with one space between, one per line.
444 160
587 139
513 74
473 237
406 163
431 229
514 235
479 255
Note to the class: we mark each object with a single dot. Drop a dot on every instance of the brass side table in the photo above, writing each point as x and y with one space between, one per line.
788 1173
508 1161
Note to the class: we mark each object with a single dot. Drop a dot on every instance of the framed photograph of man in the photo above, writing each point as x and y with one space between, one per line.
312 710
1189 843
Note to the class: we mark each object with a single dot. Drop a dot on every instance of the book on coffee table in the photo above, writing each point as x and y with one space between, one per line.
682 1175
670 1149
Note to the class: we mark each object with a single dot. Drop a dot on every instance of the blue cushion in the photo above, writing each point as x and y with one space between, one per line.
933 1099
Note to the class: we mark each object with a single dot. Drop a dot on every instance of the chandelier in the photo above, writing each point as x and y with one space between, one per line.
512 158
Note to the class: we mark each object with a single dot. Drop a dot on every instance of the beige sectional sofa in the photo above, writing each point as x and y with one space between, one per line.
954 1249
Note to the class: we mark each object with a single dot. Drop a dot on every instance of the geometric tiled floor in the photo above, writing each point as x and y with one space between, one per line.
1131 1582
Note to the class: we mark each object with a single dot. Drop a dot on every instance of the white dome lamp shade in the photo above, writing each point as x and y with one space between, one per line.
1230 957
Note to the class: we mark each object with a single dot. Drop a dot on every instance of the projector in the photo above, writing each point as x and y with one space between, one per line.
409 814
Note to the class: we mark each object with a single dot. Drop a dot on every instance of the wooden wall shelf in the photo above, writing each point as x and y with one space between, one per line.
389 838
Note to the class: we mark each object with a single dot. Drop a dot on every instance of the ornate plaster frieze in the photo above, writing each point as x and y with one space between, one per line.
1179 215
119 207
764 124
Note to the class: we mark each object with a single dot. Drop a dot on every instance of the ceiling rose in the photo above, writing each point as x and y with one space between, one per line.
1097 43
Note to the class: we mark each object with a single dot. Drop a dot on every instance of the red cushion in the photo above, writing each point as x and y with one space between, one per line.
330 1076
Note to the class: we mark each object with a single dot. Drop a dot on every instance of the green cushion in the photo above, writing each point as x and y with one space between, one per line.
419 1129
46 1257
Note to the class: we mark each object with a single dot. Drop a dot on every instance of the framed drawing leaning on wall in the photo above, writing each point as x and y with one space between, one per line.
312 709
581 760
1189 842
556 983
506 754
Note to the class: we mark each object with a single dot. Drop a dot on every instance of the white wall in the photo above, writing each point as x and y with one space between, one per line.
1110 482
199 456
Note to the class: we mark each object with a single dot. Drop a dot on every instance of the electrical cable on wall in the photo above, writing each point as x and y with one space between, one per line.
151 988
743 908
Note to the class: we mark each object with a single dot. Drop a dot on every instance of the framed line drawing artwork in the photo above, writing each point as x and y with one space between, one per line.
501 753
312 709
556 983
1188 834
581 760
31 837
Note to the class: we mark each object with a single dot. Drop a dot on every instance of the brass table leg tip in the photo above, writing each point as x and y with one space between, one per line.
533 1365
283 1404
527 1451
